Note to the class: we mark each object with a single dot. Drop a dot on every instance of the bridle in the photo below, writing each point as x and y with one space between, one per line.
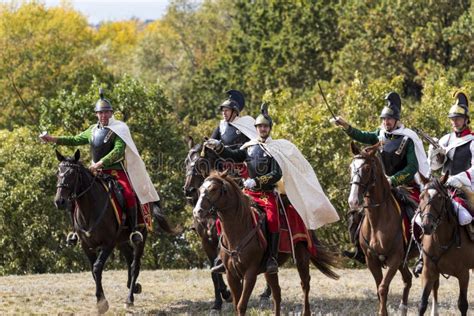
212 209
436 220
73 167
366 187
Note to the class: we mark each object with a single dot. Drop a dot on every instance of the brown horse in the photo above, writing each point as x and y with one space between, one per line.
447 248
381 235
96 224
241 250
199 163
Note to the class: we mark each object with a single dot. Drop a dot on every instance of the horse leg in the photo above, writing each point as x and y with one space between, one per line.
407 278
463 280
97 268
250 278
235 285
264 298
384 287
135 271
224 292
272 282
428 283
434 306
376 270
302 264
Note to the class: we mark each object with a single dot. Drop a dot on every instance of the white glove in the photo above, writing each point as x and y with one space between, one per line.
458 181
339 121
250 183
436 157
213 144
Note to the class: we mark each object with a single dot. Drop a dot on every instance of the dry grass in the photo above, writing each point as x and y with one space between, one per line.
190 292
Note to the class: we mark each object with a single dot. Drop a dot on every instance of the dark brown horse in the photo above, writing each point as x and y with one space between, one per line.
199 163
241 250
381 235
447 248
97 226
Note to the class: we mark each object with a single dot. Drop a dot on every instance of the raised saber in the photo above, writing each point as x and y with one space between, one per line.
327 103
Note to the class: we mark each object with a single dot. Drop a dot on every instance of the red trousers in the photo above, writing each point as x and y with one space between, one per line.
128 194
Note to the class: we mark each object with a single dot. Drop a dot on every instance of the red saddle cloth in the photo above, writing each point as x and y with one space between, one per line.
143 217
298 230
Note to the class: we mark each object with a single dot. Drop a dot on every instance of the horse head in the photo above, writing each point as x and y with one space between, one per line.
68 179
216 194
435 204
199 163
366 169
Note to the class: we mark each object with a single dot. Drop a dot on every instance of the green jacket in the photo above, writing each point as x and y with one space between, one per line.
402 177
110 161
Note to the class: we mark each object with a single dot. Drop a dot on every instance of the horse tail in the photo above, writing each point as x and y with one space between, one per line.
163 224
325 260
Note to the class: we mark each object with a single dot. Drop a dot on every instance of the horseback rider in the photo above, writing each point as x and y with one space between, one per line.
402 156
455 156
114 153
234 130
263 174
265 158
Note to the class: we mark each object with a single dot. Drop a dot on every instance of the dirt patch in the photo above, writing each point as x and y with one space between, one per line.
171 292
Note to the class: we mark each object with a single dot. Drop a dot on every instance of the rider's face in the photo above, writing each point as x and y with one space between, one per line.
104 117
458 123
389 123
227 114
263 130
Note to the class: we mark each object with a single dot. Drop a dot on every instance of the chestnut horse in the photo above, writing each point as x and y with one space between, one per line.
380 235
242 251
447 248
199 163
97 226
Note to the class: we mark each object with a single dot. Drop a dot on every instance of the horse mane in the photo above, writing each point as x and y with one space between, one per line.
243 200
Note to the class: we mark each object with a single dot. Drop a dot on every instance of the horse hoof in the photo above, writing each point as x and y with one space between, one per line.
137 289
128 305
102 306
226 296
403 309
215 311
264 302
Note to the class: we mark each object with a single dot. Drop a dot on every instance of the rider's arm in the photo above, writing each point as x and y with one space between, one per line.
116 154
370 138
79 139
272 177
216 134
407 174
237 155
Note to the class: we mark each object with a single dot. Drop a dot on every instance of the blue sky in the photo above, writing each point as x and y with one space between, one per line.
113 10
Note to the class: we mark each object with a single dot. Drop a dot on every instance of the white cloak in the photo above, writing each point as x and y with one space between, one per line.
134 165
301 183
245 124
423 165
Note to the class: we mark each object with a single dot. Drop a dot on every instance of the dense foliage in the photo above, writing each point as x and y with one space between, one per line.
167 78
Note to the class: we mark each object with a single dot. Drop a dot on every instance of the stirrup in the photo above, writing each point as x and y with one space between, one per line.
136 233
418 269
272 266
218 266
72 239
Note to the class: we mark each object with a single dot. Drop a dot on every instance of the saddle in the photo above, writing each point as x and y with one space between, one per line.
407 204
116 189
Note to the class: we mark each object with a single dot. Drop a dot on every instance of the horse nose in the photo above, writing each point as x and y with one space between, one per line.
60 203
354 204
198 212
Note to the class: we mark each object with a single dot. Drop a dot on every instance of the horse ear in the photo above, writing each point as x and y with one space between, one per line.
444 178
423 179
355 149
373 149
77 155
189 141
224 173
59 156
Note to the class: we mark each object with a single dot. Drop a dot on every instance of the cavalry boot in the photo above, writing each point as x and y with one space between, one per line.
218 266
357 255
272 264
135 236
354 219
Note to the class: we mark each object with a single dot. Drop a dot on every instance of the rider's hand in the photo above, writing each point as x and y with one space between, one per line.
458 181
45 137
339 121
96 166
250 183
213 144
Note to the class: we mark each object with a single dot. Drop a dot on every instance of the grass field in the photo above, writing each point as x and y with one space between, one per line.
170 292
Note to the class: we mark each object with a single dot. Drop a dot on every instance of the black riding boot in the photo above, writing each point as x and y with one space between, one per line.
218 266
354 219
272 264
72 238
135 236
